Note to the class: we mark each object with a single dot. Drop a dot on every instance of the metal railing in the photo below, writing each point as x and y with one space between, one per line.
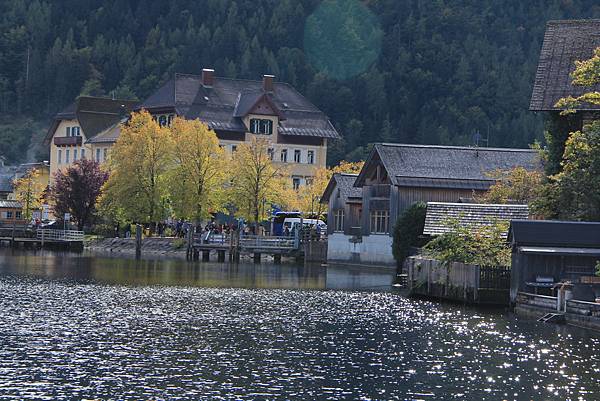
268 242
60 235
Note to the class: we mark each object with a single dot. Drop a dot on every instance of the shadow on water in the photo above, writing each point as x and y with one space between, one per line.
125 270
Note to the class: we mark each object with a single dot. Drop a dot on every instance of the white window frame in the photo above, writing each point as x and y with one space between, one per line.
105 154
296 182
83 153
75 154
59 156
67 156
297 155
310 157
284 155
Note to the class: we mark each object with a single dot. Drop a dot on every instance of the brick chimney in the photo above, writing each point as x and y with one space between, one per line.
208 77
268 83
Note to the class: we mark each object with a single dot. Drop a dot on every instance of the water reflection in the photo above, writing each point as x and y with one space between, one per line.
80 327
97 268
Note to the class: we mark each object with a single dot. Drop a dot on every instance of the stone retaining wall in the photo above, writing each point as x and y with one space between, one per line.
157 246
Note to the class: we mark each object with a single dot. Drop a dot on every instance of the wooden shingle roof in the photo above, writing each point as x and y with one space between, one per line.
564 43
433 166
472 215
344 183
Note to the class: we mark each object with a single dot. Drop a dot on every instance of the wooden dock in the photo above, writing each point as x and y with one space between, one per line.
235 245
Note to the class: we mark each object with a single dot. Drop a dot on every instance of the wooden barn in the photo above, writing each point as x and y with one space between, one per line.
394 177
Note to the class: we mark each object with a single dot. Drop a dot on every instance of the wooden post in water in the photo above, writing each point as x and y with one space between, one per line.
138 241
13 243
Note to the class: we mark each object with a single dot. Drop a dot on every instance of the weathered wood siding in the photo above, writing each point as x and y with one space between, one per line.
407 196
458 281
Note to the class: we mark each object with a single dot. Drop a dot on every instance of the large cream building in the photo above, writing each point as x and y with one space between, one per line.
235 109
238 110
87 128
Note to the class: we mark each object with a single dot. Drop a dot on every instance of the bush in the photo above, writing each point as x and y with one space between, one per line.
483 246
408 231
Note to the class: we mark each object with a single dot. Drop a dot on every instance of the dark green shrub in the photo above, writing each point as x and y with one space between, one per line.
408 231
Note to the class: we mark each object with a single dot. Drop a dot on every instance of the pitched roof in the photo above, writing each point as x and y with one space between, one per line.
564 43
6 182
94 114
473 215
345 184
555 233
13 204
446 166
222 105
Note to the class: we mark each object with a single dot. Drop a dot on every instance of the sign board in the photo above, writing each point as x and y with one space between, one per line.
67 216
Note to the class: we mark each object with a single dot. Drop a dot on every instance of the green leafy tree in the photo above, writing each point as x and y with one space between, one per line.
574 193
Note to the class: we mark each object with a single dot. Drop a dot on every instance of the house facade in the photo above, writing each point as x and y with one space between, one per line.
395 176
81 129
238 110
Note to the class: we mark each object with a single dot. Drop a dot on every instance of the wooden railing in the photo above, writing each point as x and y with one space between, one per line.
60 235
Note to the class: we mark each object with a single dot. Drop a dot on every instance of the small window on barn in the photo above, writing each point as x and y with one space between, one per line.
18 214
338 220
380 221
9 214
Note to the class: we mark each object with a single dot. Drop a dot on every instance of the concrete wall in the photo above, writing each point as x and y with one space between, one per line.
372 249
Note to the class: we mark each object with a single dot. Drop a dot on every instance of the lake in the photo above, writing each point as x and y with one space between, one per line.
80 326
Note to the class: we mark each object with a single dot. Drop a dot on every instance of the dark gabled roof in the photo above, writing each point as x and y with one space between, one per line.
473 215
445 166
222 105
555 233
109 134
564 43
6 182
345 184
94 114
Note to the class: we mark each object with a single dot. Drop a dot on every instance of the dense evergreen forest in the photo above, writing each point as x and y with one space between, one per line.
422 71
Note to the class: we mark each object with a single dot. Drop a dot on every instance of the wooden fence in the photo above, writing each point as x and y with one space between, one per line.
458 281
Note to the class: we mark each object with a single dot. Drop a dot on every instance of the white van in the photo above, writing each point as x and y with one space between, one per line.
293 222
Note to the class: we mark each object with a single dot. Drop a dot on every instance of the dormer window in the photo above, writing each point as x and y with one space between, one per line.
261 126
164 120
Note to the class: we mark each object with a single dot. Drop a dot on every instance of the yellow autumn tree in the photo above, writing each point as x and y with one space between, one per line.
308 198
29 191
138 164
257 182
197 178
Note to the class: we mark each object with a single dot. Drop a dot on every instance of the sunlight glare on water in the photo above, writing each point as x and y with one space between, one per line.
73 336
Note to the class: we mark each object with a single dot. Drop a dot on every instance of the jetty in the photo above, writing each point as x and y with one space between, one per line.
299 246
21 235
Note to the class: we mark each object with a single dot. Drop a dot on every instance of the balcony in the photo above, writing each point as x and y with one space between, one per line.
67 140
380 191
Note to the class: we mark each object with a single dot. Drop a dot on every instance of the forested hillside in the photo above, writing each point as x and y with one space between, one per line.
441 70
